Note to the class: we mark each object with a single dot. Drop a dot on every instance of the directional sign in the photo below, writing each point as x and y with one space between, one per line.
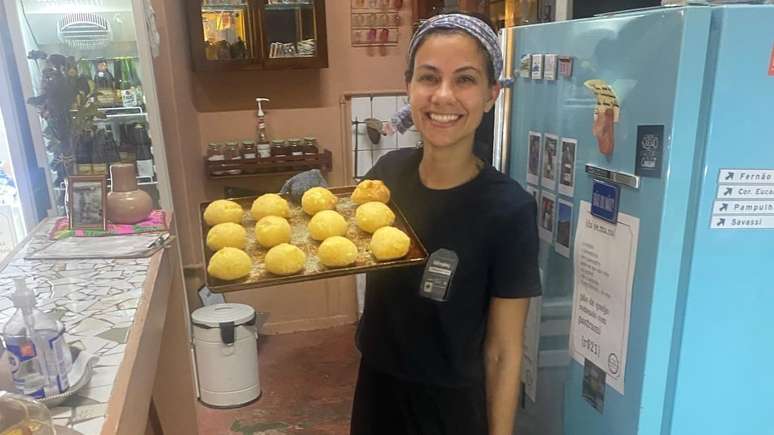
742 222
745 191
743 207
746 176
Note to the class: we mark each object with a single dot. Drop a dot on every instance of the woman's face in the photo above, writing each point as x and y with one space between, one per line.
450 91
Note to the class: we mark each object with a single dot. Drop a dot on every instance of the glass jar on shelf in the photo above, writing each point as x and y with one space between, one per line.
232 154
249 154
295 147
215 155
310 146
279 148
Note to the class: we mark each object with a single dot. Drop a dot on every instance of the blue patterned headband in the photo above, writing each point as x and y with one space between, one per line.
470 25
473 26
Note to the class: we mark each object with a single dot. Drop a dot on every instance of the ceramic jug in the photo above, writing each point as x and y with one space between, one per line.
126 204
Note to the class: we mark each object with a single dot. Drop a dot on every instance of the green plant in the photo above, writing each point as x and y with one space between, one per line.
66 104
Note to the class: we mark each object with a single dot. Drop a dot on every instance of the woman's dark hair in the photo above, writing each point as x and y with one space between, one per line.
409 74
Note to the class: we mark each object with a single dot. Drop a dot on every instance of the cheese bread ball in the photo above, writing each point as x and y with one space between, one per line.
270 204
222 211
327 223
229 264
285 259
226 235
389 243
373 215
371 190
337 251
317 199
270 231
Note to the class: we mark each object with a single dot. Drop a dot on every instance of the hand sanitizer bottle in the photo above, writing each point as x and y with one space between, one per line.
39 358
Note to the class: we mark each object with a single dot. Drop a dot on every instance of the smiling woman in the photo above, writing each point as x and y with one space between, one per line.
450 91
441 344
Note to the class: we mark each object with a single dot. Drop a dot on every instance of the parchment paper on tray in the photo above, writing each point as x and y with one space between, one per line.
314 270
133 246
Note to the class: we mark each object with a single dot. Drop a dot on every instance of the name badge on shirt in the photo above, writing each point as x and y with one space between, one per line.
438 275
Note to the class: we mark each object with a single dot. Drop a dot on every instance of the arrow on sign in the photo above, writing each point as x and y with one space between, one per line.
729 190
724 207
722 222
730 176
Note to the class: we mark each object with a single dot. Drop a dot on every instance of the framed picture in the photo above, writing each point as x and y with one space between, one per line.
537 67
549 66
567 167
563 228
550 148
546 218
86 199
533 159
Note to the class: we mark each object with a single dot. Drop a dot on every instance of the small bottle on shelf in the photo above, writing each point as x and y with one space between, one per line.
83 152
112 155
144 153
98 162
128 96
127 148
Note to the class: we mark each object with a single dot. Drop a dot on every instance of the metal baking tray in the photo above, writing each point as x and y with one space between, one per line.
314 270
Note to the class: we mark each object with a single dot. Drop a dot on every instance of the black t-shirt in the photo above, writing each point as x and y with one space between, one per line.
490 223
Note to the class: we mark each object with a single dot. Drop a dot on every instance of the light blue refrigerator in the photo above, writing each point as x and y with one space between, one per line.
666 117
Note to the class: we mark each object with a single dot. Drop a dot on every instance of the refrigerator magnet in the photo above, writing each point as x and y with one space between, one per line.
567 166
650 148
604 200
563 228
565 66
525 66
594 380
537 67
549 67
771 63
606 114
534 146
546 216
548 174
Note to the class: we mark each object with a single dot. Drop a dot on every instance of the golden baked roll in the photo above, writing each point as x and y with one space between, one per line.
285 259
389 243
222 211
226 235
229 264
270 231
327 223
371 190
373 215
318 199
337 251
270 204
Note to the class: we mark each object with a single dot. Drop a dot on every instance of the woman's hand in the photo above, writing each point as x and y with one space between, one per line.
502 361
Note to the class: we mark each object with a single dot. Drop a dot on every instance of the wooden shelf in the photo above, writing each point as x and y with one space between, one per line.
270 166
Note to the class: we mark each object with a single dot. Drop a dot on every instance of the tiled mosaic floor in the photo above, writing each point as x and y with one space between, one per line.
96 300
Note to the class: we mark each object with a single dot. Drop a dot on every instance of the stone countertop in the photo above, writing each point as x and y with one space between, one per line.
97 301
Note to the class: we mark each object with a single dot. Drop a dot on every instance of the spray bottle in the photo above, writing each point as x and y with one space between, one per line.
39 358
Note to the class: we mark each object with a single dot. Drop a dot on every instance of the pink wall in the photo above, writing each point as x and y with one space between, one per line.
304 103
180 123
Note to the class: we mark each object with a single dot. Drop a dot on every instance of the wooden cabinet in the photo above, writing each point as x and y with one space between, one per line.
232 35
